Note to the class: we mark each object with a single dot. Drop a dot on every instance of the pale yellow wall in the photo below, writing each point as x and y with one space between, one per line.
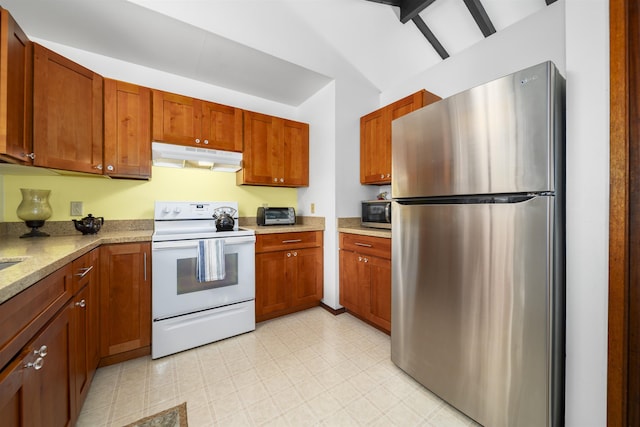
131 199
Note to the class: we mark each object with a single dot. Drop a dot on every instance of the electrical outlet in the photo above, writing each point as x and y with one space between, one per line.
313 208
76 208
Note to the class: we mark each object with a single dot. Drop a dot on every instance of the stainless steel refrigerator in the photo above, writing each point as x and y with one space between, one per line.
478 289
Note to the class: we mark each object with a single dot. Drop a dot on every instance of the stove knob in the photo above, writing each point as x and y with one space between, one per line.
165 210
177 210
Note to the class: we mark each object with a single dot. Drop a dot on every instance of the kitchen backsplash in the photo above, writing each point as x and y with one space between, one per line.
123 199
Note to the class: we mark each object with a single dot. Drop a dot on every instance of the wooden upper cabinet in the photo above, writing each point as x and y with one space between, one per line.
16 86
127 130
375 136
67 114
276 152
183 120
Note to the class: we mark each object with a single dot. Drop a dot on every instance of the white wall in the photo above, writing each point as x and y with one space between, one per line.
536 39
320 109
587 40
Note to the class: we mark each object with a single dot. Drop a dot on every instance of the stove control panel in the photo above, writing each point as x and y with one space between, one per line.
190 210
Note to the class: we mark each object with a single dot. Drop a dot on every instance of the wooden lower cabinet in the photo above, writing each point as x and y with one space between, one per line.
125 301
86 333
53 331
289 273
365 278
36 389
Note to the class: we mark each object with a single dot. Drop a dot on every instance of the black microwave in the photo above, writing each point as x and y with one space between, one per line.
376 213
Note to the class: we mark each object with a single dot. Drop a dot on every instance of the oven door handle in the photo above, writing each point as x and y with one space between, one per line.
182 244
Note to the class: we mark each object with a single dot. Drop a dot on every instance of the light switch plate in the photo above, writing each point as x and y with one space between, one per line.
76 208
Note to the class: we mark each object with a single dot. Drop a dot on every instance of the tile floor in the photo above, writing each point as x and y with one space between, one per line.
305 369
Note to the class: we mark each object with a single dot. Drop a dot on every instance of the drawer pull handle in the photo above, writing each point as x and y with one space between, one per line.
292 241
37 365
364 245
84 271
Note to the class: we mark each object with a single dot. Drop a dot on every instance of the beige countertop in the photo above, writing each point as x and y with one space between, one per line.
365 231
42 256
352 225
272 229
304 223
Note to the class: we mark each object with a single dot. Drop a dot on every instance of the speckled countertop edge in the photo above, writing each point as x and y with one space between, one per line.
42 256
352 225
303 223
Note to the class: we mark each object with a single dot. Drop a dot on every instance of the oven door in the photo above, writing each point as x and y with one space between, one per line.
176 290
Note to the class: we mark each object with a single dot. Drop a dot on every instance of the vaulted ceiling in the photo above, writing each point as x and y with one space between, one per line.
281 50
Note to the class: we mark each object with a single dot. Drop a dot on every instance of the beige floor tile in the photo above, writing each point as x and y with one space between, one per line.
287 399
308 368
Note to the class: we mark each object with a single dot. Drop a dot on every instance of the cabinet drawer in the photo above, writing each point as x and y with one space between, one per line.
376 246
83 269
284 241
24 314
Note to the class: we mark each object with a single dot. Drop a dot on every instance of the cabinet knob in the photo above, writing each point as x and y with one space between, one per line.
42 351
32 156
37 365
99 167
281 179
295 254
381 176
275 179
366 260
359 258
81 303
110 168
206 141
288 254
197 140
388 175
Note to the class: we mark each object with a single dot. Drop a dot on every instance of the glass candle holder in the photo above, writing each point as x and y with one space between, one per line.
34 209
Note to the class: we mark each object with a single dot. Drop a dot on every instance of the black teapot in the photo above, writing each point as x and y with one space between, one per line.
88 224
224 218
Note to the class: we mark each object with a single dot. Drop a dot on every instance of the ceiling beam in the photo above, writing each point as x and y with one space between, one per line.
480 16
411 8
389 2
422 26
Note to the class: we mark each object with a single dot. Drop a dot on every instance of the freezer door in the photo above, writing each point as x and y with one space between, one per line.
506 136
477 314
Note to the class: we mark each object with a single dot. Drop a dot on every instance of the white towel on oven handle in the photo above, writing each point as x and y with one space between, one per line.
210 261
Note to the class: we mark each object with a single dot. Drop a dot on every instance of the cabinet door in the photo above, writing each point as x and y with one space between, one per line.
261 150
125 298
85 307
305 275
47 377
374 148
13 399
272 290
375 136
16 85
295 153
221 127
353 281
67 114
176 119
379 301
127 130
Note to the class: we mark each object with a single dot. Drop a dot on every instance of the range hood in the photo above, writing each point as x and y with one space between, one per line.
180 156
